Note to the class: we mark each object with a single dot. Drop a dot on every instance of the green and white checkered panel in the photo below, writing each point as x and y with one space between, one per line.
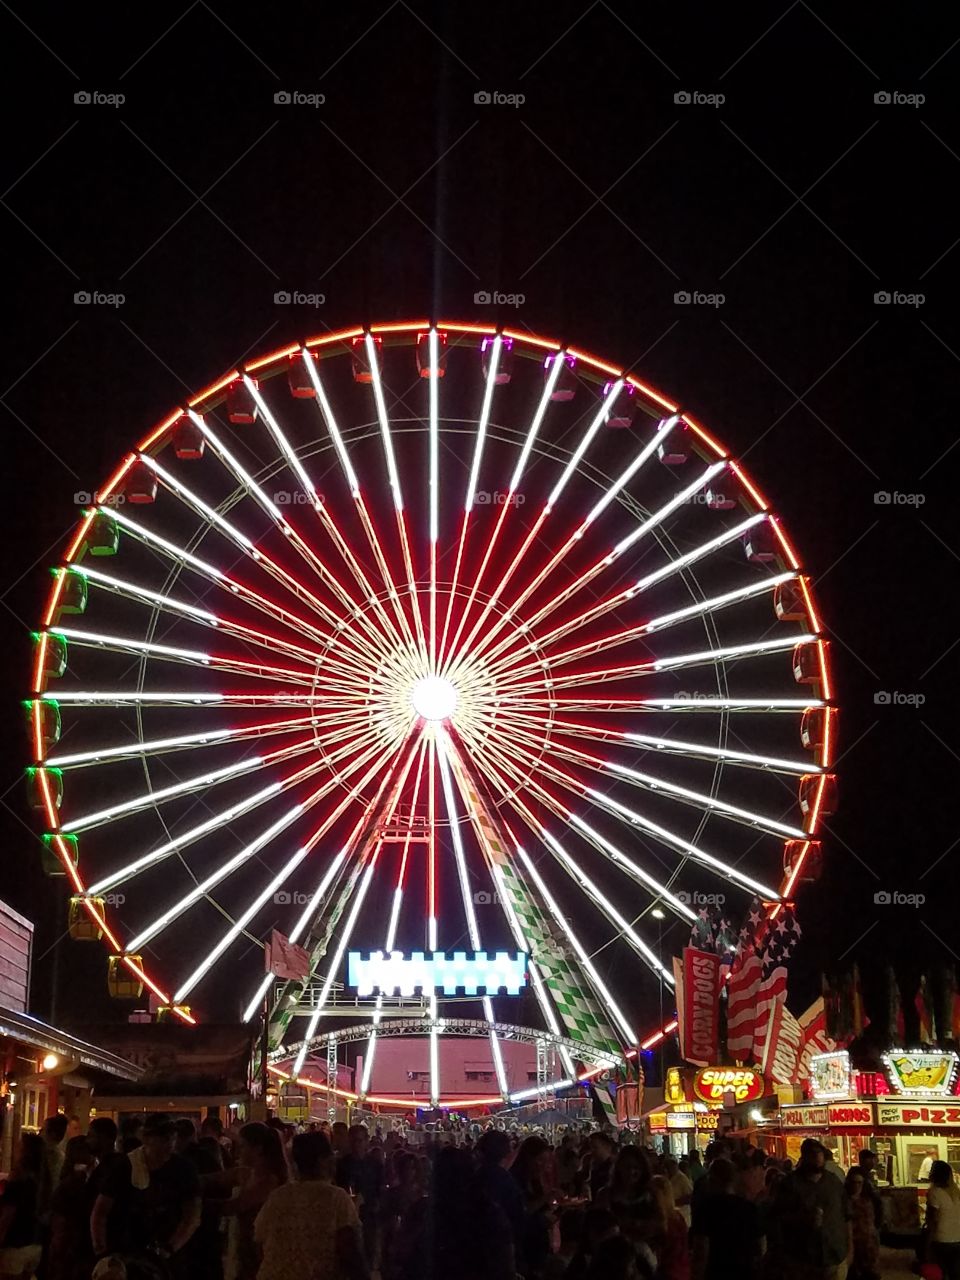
575 1002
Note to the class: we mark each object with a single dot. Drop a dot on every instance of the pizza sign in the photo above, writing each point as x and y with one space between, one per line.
712 1084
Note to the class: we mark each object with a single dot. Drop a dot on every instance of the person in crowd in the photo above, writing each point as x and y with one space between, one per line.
496 1153
831 1166
404 1192
20 1249
131 1134
616 1259
865 1262
601 1162
726 1241
812 1220
695 1169
630 1199
69 1252
752 1176
943 1219
682 1186
926 1164
206 1158
569 1182
261 1167
360 1171
672 1250
459 1232
570 1227
599 1225
149 1201
531 1172
340 1138
867 1164
54 1141
212 1127
309 1228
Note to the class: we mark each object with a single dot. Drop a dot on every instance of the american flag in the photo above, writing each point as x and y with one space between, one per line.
779 943
745 975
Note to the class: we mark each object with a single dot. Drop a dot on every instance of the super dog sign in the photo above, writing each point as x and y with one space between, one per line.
713 1083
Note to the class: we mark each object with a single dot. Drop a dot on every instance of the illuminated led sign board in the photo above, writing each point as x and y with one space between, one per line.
919 1074
830 1076
712 1083
473 973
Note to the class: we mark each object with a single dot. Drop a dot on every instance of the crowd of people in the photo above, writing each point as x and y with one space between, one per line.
162 1200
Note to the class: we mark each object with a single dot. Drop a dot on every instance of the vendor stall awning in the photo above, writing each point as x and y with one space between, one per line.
30 1030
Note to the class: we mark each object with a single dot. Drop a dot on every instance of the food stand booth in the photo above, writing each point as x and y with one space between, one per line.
698 1104
909 1114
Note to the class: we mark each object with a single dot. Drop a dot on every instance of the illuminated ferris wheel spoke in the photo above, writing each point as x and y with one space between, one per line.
174 653
270 608
347 602
584 579
590 834
255 553
319 506
673 662
373 542
193 613
310 913
600 900
692 750
473 929
662 834
532 432
187 741
760 587
599 420
252 764
222 819
642 584
373 361
395 906
483 422
354 894
687 795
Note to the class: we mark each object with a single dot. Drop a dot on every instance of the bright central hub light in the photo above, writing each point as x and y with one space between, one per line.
434 698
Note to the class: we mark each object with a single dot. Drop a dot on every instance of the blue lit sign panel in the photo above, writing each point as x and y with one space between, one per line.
477 972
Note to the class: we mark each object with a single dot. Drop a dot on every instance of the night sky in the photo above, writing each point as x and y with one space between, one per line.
778 186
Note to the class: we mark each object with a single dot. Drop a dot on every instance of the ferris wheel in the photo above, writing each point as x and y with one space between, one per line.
427 636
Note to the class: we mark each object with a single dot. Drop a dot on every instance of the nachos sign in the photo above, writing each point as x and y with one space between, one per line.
713 1084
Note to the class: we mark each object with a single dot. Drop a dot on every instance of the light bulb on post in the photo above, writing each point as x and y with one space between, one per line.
657 914
50 1062
434 698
